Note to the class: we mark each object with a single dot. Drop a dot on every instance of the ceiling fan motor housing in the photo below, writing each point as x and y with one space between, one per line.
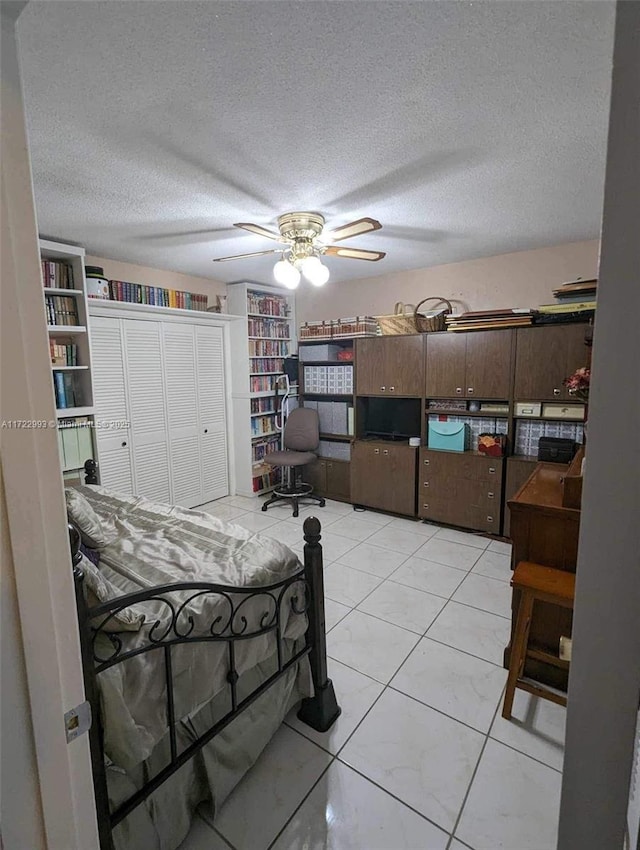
300 225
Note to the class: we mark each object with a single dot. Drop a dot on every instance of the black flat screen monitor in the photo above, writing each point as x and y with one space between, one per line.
392 418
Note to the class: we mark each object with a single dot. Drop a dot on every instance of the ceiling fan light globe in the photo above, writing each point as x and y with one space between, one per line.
318 275
286 274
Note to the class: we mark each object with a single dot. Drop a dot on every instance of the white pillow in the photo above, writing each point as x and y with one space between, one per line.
86 519
100 589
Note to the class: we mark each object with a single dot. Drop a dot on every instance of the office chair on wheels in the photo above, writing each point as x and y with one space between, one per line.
300 440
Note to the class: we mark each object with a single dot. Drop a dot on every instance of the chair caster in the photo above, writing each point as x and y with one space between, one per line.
322 503
264 507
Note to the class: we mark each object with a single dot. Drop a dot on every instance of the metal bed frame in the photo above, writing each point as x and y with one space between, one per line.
307 596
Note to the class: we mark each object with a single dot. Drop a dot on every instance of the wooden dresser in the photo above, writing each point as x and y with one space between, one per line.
544 531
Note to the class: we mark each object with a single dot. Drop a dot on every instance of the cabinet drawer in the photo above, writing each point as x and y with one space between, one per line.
460 465
461 490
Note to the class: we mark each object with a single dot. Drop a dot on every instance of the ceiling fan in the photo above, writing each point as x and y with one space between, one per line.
302 233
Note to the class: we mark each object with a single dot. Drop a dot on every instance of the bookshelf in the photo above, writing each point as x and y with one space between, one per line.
257 355
66 308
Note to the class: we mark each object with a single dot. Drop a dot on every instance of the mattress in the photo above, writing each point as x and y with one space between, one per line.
153 545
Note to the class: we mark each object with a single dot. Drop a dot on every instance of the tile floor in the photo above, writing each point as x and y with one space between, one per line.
420 759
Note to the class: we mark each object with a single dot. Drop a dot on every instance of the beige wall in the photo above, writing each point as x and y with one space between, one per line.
116 270
522 279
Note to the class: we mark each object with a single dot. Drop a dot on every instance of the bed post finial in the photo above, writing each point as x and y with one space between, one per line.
90 471
321 710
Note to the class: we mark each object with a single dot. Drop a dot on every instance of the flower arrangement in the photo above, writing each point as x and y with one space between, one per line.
578 383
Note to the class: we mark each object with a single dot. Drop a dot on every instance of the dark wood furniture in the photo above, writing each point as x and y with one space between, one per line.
330 478
460 488
469 365
383 476
519 470
544 532
390 365
536 584
545 356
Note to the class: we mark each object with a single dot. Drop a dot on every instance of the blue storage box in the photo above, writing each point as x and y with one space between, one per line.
450 436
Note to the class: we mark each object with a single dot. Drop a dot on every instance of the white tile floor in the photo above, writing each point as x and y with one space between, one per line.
420 759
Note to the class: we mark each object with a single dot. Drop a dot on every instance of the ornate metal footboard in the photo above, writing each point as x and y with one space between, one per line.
302 591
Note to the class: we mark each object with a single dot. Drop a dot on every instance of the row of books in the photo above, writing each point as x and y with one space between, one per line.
63 355
266 305
66 390
56 275
262 405
262 449
262 425
137 293
61 310
268 328
261 383
264 365
265 477
268 348
573 297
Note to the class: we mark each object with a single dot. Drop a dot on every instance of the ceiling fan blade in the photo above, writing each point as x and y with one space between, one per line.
242 256
354 253
354 228
261 231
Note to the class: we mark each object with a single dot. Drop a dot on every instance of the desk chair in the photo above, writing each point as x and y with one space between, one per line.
300 441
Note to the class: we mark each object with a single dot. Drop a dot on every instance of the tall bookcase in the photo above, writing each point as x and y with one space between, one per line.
65 294
257 354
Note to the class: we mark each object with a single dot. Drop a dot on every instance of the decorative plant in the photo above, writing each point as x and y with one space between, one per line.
578 383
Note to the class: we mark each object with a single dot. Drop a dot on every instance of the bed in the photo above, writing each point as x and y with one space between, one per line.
197 638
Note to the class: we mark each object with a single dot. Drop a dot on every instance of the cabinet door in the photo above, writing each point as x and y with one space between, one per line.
316 474
399 476
339 479
367 480
544 358
182 414
145 389
212 412
488 364
445 368
113 438
370 366
403 365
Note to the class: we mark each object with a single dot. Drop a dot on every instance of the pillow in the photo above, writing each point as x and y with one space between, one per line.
86 519
100 589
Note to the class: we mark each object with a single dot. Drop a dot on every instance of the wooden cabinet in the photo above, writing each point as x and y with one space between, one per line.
383 476
469 365
391 365
519 469
461 489
330 478
545 356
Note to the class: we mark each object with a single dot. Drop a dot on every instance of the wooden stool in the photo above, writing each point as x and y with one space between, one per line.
545 584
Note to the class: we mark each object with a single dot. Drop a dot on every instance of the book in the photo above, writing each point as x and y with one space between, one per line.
61 400
576 286
568 308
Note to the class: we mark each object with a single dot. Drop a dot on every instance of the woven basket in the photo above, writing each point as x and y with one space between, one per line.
399 322
428 324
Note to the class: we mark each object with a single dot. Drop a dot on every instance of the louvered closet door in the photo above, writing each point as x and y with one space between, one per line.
212 412
143 351
182 402
110 396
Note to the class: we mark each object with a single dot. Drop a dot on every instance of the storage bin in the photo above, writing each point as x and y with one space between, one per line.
528 408
563 411
450 436
318 352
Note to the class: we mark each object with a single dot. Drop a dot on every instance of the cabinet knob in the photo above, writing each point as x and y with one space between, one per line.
382 389
330 466
385 452
426 507
492 470
426 463
391 389
124 443
556 391
489 495
426 483
489 519
458 390
470 390
376 451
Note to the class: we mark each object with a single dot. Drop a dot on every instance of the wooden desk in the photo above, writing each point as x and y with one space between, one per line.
544 532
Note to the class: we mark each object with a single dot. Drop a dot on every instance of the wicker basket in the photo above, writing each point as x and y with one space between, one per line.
428 324
399 322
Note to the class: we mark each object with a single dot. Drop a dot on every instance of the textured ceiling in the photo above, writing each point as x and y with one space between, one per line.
467 129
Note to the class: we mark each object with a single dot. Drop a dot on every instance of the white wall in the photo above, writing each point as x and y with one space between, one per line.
521 279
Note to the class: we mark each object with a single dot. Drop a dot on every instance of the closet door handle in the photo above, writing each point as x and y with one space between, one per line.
206 430
124 443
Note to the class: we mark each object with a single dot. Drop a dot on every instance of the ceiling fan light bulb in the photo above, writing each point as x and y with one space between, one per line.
286 274
319 275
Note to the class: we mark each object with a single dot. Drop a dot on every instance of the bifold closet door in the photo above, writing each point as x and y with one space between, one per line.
212 412
145 387
113 438
179 345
